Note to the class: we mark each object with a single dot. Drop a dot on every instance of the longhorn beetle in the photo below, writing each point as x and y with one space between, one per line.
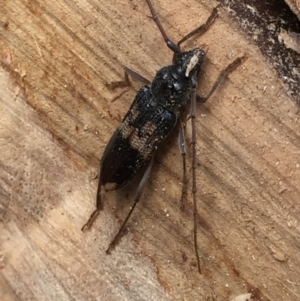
154 113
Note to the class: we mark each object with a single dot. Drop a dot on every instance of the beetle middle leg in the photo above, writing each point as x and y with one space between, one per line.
237 62
126 83
137 197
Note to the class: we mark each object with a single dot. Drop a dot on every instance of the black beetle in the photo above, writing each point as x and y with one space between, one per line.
153 114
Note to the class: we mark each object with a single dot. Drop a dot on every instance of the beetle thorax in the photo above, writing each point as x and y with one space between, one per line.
173 84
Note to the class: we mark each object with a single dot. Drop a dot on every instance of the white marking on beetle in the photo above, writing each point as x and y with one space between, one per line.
192 63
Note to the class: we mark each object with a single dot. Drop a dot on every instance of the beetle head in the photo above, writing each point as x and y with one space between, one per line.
189 62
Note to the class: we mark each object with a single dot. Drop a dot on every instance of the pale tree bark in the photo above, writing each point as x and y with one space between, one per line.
56 117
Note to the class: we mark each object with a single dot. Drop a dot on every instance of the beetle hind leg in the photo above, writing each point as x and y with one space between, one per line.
95 213
137 197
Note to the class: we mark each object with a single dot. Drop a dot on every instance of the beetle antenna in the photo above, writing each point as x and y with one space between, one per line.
175 48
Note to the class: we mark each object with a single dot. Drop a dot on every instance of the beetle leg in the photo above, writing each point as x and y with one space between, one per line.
136 76
182 148
99 207
122 83
220 78
137 197
126 83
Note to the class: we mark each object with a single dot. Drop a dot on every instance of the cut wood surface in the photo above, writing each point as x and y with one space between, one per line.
56 116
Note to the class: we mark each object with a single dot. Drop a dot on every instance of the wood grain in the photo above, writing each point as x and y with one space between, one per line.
57 116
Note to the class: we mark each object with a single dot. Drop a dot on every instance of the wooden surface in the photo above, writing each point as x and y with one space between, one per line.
295 6
57 116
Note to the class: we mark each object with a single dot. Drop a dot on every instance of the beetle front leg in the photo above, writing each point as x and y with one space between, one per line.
237 62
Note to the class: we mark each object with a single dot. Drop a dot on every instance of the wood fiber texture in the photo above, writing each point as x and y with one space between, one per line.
295 6
56 116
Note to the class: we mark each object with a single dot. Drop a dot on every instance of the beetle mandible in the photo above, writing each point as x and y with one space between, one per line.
154 113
